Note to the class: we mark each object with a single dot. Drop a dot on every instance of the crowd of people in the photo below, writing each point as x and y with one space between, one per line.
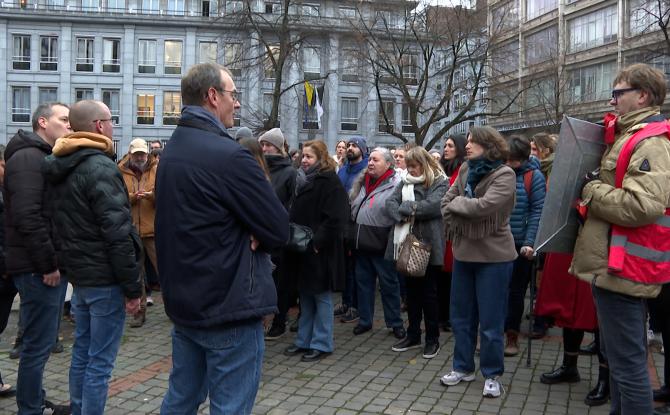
252 228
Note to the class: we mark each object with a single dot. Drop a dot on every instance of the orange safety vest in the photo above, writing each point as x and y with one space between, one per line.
641 254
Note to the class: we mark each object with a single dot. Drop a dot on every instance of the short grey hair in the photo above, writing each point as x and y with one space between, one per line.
198 80
386 153
44 110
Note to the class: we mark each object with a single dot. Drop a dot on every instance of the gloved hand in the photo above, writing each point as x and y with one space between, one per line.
406 208
591 176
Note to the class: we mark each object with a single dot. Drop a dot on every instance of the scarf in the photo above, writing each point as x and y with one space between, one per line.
310 174
402 229
546 164
610 128
371 184
478 168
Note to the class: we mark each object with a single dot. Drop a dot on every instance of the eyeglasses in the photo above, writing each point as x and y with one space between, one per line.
618 93
233 94
103 120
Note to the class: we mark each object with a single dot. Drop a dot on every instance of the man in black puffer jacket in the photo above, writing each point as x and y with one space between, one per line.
99 247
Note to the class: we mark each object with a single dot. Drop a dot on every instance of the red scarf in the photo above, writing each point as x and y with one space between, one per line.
610 128
370 186
454 175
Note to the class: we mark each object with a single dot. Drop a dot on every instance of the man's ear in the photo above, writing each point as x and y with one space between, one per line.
42 122
645 98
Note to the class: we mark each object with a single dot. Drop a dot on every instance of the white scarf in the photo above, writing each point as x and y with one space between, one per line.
402 229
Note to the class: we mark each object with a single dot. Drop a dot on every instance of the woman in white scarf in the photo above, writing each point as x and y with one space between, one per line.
419 195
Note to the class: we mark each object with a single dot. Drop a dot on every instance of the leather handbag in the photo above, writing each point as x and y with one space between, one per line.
299 237
413 256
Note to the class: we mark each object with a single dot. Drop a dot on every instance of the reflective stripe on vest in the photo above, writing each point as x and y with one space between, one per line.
640 254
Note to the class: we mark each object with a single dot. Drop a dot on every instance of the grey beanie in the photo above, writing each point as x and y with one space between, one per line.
274 137
243 132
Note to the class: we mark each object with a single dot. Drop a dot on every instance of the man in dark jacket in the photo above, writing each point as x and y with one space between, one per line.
217 219
98 246
283 179
31 255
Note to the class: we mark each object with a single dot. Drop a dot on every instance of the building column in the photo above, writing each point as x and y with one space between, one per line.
127 110
331 115
289 104
65 62
4 90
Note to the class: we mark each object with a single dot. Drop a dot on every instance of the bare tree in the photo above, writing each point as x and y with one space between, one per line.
648 16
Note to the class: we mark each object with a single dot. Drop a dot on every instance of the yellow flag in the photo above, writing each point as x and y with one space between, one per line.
309 93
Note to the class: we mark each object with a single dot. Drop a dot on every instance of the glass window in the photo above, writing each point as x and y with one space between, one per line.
644 15
593 29
150 6
117 6
21 56
145 109
406 119
146 59
409 67
84 61
542 95
506 58
48 94
90 5
388 108
503 99
175 7
173 56
310 119
309 10
111 55
542 45
349 114
268 64
311 61
48 53
81 94
21 104
505 17
112 98
535 8
350 66
207 52
267 107
347 12
592 83
171 107
234 7
233 58
272 7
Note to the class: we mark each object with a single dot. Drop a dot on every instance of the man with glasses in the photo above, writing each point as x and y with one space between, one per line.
217 220
99 247
632 195
31 252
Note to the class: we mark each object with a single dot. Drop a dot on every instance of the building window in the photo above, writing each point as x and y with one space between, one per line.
173 57
644 15
505 17
268 100
387 19
171 108
117 6
542 46
593 29
506 58
406 119
112 98
309 10
48 53
535 8
21 104
350 66
48 94
310 120
388 107
272 7
207 52
175 7
349 114
111 55
592 83
21 56
84 55
145 109
409 67
311 62
90 5
541 95
234 7
268 61
233 58
146 60
347 12
150 6
81 94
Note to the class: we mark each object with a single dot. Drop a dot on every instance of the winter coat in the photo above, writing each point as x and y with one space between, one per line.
349 172
428 219
30 238
487 213
211 198
143 210
372 223
642 200
525 218
282 177
98 242
322 205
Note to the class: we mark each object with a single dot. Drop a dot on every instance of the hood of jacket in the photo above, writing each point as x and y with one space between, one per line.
277 162
26 139
72 150
80 140
531 164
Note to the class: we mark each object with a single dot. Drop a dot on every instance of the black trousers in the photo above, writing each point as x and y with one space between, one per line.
7 294
572 340
443 295
659 316
422 302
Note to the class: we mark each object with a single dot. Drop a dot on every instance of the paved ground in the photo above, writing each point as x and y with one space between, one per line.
362 376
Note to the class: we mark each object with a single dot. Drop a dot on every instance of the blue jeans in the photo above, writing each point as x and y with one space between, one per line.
41 307
623 341
224 362
479 297
315 328
100 315
368 267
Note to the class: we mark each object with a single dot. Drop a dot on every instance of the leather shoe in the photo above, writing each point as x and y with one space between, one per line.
361 329
599 395
399 332
294 350
662 394
313 355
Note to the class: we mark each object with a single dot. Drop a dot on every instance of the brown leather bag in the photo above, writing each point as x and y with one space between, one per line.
414 255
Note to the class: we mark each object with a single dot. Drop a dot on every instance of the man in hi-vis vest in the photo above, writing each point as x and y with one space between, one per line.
623 248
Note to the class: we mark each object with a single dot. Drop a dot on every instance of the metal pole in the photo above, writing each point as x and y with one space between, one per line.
531 313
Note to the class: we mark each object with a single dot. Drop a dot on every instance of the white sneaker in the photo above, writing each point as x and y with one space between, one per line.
454 378
492 388
150 301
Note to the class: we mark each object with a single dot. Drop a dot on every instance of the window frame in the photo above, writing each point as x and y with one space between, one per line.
86 63
21 62
21 114
350 123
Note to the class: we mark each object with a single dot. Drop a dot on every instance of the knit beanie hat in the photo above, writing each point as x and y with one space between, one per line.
360 143
274 137
243 132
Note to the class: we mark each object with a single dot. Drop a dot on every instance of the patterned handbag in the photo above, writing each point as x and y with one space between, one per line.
413 256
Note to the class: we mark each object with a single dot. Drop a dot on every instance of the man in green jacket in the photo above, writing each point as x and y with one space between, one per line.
639 90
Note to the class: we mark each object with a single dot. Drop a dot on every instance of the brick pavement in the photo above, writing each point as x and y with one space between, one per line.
363 376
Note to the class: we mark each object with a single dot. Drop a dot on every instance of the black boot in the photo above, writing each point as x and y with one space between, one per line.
566 373
601 393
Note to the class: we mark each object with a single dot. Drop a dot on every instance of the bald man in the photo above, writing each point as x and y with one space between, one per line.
98 248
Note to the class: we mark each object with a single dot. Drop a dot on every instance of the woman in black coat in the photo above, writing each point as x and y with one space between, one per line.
321 204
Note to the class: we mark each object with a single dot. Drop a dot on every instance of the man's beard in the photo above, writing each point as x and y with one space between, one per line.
352 156
138 165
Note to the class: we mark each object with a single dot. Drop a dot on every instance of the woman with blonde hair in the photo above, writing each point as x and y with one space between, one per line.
419 195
